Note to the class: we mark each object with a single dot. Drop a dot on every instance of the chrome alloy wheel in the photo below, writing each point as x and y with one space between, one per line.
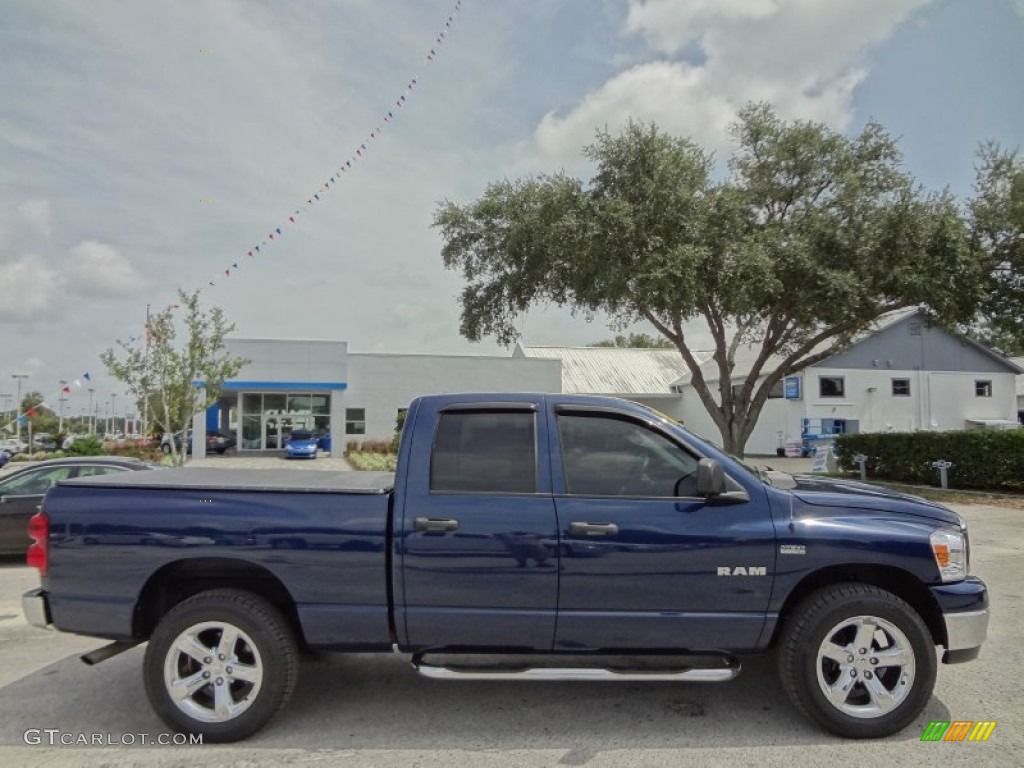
865 666
213 672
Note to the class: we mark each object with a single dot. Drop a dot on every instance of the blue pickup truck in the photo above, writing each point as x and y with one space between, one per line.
524 536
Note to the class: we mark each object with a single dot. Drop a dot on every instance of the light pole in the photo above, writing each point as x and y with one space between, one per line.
17 405
113 412
60 417
90 421
7 401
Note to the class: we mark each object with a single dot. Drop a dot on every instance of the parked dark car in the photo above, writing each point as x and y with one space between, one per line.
216 442
22 490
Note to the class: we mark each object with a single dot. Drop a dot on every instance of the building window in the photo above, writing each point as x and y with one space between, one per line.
355 421
831 386
777 391
901 387
983 388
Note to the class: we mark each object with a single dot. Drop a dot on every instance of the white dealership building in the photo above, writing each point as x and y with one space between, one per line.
905 376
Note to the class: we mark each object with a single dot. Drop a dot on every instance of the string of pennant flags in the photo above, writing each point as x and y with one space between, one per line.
275 233
345 167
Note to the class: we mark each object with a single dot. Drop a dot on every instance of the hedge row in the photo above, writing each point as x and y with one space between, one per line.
982 458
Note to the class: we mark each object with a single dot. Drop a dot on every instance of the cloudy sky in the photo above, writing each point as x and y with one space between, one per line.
147 146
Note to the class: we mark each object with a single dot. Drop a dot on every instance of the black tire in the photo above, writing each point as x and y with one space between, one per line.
265 648
860 713
166 448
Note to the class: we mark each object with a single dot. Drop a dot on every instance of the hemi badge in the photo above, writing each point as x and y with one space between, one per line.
792 549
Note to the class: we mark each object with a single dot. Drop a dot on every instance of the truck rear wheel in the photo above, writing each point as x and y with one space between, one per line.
220 664
857 660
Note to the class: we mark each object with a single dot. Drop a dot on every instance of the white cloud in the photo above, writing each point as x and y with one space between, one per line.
19 138
38 214
29 288
99 270
805 57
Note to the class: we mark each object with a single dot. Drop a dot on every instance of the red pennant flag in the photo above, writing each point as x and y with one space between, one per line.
67 390
291 219
227 273
271 235
32 411
250 253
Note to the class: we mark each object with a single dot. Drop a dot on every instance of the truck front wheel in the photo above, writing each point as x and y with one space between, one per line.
220 664
857 660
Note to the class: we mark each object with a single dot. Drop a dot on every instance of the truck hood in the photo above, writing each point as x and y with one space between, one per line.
829 492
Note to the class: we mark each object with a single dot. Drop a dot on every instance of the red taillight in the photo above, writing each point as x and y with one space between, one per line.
39 552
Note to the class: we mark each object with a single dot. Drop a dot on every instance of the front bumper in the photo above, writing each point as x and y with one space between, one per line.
35 604
965 613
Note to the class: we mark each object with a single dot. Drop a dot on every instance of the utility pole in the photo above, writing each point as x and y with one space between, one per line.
61 399
17 405
91 423
7 401
113 413
145 377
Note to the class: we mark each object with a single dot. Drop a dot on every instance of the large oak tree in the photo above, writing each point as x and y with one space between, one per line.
997 226
807 239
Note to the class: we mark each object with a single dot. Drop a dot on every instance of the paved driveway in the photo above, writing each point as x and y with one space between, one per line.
373 711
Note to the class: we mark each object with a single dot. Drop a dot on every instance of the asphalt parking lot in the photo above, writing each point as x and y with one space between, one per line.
373 711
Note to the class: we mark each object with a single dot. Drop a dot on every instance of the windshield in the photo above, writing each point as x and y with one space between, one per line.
300 435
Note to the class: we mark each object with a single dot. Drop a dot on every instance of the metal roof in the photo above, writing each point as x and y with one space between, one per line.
615 370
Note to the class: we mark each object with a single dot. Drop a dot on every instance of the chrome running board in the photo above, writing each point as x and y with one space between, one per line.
583 674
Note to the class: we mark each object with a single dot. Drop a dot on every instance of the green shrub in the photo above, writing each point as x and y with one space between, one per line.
982 458
89 445
399 426
373 462
136 449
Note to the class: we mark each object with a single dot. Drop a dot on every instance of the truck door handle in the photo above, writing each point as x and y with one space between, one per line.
593 529
436 524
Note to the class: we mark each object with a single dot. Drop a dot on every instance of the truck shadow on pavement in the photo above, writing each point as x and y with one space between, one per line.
378 702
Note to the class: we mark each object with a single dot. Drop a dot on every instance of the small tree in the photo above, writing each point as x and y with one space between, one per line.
178 382
635 341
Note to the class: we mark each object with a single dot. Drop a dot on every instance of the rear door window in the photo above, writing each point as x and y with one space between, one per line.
485 452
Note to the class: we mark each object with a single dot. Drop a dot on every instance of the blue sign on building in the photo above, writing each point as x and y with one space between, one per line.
791 389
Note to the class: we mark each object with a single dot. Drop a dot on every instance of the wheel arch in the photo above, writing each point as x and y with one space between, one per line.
899 582
181 579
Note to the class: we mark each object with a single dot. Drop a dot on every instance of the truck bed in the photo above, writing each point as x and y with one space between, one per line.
320 535
214 479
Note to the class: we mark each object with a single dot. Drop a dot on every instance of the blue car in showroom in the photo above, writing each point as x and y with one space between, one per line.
302 444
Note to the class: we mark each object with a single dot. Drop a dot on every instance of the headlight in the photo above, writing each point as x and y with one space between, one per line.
950 552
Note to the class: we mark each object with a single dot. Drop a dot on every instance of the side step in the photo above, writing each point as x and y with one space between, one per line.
729 670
